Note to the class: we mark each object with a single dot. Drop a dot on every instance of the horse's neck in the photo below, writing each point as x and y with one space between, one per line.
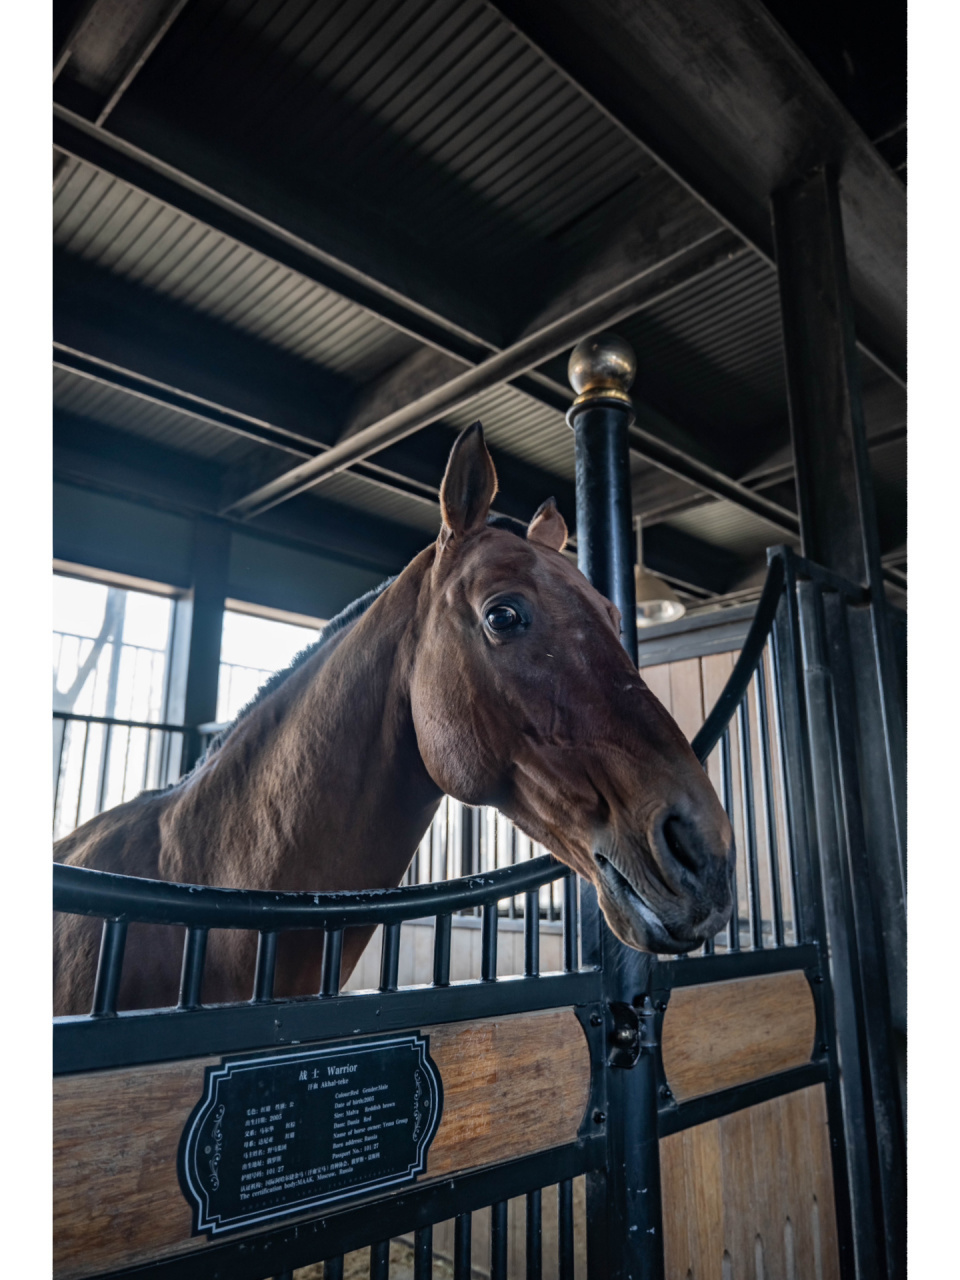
322 785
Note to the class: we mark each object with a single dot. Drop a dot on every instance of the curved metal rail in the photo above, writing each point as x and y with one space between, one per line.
750 655
83 891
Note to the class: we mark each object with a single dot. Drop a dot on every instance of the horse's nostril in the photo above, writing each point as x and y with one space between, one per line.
678 842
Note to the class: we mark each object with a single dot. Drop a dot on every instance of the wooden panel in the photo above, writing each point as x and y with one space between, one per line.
728 1033
686 696
512 1086
751 1194
657 680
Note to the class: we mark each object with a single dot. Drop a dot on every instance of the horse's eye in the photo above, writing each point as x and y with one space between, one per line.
503 618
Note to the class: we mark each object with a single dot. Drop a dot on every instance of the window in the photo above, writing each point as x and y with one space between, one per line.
253 647
111 660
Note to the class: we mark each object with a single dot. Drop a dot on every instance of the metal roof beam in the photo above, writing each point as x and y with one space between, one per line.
687 246
108 46
658 269
658 282
719 95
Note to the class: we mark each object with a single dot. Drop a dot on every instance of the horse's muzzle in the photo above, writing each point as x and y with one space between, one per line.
682 898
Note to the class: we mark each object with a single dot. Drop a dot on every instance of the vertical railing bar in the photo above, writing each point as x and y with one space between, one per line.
191 973
565 1232
333 1268
266 966
59 783
441 951
570 923
422 1253
512 901
498 1240
488 942
726 787
109 966
390 957
332 958
531 934
749 825
766 774
462 1232
534 1235
83 771
380 1260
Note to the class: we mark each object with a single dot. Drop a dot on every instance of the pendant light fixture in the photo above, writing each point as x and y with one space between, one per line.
656 602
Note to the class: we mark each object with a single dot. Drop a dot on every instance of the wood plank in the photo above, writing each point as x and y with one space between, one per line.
657 680
723 1034
686 696
751 1194
117 1200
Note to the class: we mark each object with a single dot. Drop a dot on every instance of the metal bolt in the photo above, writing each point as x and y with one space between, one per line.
624 1035
665 1091
595 1019
660 1006
599 1116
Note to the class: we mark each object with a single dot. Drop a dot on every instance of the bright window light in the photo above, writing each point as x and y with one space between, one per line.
251 650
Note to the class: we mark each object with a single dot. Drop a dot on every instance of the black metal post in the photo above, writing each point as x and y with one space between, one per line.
838 519
211 556
624 1220
602 369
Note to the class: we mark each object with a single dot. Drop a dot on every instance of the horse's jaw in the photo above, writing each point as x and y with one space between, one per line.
648 925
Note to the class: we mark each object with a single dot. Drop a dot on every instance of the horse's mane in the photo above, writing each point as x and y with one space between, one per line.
333 628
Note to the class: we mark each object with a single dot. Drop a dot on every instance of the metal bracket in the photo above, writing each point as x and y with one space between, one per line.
625 1038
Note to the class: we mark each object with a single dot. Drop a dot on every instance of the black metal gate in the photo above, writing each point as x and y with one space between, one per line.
803 729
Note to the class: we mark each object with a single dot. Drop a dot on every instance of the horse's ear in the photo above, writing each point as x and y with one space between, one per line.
548 526
469 484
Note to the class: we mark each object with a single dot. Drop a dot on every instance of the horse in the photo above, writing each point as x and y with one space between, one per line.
489 669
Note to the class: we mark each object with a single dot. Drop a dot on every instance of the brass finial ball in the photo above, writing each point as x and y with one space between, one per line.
603 365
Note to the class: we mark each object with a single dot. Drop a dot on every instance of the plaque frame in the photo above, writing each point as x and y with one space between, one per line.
207 1220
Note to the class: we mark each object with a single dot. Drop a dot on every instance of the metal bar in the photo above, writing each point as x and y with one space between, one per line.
191 975
109 968
857 1123
769 810
462 1232
605 545
83 891
332 955
749 825
751 652
726 787
725 1102
534 1250
83 774
266 965
565 1252
390 957
571 940
441 951
531 934
333 1268
498 1240
488 942
92 1044
380 1261
422 1253
301 1243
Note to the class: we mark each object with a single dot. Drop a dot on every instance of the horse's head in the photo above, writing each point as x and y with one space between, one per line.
524 698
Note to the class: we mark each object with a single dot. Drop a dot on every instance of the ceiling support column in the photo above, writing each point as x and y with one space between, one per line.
838 528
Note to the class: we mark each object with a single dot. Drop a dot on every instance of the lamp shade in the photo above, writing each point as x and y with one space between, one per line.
656 602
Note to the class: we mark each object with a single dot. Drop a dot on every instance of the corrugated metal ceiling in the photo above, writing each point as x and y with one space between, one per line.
120 229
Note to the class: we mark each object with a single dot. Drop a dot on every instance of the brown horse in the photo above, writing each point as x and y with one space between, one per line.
489 669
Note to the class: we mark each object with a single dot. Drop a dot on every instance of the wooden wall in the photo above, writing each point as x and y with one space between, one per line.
750 1196
689 688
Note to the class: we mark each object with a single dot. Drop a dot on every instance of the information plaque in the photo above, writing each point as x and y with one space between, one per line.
280 1134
